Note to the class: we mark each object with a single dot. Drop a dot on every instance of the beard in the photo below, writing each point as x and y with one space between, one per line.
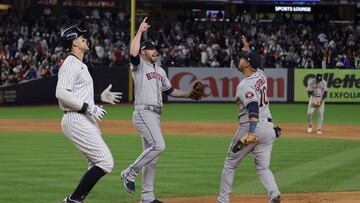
152 57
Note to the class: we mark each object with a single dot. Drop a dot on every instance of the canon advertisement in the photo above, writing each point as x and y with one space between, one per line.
221 83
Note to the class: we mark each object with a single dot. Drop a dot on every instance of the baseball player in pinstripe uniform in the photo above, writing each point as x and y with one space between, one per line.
150 83
75 93
256 132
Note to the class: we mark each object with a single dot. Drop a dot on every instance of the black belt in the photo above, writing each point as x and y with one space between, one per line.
65 112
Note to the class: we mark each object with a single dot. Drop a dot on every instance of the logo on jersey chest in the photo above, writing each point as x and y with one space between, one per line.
154 75
260 82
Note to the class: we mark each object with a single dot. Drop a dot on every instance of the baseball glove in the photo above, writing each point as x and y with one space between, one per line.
197 91
316 102
244 142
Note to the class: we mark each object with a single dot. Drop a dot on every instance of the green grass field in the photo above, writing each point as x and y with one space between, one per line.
45 167
283 113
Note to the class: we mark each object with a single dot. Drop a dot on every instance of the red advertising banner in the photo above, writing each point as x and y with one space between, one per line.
221 83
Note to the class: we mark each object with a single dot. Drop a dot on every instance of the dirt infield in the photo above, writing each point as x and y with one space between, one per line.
209 128
328 197
178 128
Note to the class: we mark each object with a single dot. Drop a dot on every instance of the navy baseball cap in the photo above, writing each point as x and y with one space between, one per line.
252 57
148 45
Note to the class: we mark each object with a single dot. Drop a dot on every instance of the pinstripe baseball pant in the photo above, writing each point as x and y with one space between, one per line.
83 131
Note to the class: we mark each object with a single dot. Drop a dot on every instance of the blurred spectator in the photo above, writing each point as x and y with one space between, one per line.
29 44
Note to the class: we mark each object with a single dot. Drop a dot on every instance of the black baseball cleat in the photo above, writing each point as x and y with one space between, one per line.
129 185
68 200
156 201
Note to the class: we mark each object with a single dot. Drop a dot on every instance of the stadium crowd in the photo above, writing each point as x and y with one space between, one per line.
29 45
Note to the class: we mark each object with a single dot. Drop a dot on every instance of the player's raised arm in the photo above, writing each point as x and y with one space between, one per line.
246 45
135 44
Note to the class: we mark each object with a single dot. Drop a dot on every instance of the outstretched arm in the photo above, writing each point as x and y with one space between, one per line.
179 93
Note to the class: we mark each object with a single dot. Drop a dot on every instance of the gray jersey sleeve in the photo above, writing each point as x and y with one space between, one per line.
247 94
310 86
325 85
166 85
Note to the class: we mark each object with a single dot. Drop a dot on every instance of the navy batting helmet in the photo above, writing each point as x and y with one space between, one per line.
69 34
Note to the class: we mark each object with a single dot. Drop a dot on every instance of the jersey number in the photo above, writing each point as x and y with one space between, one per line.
264 100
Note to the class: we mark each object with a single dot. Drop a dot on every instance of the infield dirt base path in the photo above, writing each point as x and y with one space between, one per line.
328 197
210 129
179 128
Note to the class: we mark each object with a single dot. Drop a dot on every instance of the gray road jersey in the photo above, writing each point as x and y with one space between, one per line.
318 89
74 76
150 81
251 89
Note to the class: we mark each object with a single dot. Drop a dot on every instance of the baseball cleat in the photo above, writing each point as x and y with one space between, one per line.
309 130
276 199
128 185
319 132
68 200
156 201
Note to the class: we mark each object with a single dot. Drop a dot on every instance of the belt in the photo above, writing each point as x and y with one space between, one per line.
155 109
65 112
260 120
265 120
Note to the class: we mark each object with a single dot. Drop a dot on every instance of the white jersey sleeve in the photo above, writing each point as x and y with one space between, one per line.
68 74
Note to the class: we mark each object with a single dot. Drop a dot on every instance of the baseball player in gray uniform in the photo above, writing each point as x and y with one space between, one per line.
256 133
75 93
150 83
317 92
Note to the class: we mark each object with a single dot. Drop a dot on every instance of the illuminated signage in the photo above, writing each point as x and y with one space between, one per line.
293 9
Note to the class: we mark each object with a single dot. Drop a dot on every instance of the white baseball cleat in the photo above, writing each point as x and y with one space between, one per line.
319 132
309 130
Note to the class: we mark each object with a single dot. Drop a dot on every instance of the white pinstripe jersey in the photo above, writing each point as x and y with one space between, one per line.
251 89
74 76
317 88
150 81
